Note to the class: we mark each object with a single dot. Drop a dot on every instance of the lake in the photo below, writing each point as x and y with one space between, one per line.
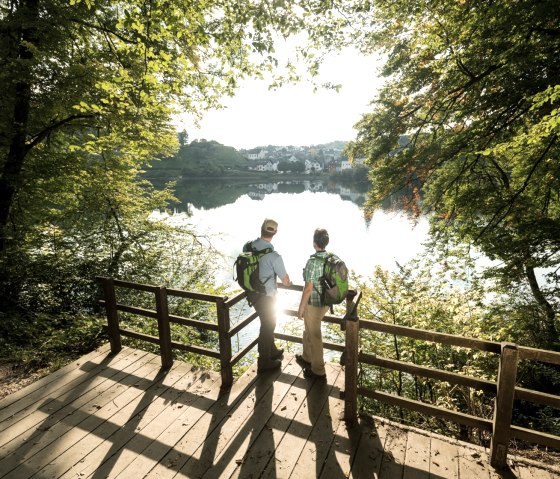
231 213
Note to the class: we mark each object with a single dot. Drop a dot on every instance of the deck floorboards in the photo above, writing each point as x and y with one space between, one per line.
107 416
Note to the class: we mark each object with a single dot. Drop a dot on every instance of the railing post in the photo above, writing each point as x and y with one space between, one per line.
351 363
225 345
503 407
112 316
164 328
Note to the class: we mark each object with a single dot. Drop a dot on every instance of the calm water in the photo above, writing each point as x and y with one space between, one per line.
236 217
232 214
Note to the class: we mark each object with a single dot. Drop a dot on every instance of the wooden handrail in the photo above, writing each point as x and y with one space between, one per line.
432 336
504 388
427 372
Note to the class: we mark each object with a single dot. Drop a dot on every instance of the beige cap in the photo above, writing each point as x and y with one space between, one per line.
269 226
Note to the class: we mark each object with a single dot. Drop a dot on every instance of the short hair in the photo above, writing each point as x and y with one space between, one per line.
321 237
269 228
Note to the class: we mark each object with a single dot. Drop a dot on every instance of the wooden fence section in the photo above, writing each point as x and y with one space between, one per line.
222 326
164 319
504 388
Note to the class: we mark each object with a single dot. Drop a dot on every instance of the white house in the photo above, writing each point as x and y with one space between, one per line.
268 165
256 154
345 165
312 165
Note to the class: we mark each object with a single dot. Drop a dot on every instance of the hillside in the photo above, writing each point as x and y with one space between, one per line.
200 158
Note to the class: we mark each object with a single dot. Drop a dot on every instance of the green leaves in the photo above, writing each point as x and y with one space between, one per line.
471 86
90 90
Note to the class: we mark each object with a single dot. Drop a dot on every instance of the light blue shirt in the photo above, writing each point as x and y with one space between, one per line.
271 266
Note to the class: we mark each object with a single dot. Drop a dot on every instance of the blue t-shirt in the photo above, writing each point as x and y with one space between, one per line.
271 266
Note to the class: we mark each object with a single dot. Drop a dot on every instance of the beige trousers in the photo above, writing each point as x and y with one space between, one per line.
312 338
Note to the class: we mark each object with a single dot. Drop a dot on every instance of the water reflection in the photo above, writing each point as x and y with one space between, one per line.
210 193
231 213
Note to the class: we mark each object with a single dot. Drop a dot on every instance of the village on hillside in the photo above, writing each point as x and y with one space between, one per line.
304 159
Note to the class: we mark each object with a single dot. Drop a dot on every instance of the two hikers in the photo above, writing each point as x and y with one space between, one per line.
261 293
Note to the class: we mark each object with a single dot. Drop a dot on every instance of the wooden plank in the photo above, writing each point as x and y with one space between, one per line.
289 428
185 413
369 454
351 369
444 456
185 443
473 464
33 430
94 423
229 445
41 405
120 449
63 419
30 394
263 449
527 471
503 405
417 458
315 454
392 464
433 336
311 431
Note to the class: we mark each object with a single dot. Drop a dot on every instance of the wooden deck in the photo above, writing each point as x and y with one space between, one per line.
121 416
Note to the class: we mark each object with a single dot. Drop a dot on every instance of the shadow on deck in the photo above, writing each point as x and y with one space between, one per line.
122 416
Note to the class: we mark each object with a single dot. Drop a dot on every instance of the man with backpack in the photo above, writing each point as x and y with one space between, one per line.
315 303
271 266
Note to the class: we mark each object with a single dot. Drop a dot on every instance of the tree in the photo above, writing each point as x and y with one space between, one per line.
81 75
183 137
89 89
474 86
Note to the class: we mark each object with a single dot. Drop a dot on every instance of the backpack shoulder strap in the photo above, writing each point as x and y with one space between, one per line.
248 247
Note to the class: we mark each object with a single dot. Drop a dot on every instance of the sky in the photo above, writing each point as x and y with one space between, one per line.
294 114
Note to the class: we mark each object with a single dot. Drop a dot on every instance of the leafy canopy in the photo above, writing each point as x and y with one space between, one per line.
89 88
473 87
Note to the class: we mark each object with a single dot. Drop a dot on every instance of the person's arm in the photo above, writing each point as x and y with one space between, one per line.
305 295
286 281
280 271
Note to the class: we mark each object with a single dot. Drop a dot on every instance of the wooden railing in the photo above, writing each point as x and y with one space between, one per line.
164 319
504 388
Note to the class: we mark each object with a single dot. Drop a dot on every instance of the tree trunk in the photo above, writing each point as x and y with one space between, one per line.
552 340
13 164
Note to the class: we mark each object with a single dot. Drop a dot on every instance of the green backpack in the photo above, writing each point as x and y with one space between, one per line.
247 268
334 281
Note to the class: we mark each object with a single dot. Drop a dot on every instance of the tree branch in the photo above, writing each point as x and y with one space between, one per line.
498 217
53 126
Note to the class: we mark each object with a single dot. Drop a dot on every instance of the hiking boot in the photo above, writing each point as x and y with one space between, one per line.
266 364
302 362
311 375
277 354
